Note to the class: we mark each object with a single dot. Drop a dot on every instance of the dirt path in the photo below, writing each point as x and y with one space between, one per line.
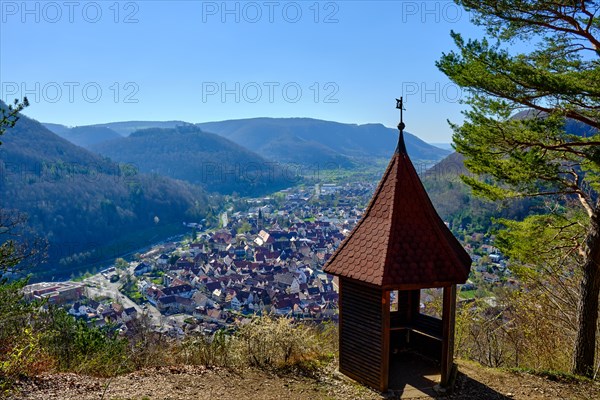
477 382
186 383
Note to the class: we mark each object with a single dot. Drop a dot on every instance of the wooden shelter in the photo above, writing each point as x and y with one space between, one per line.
399 246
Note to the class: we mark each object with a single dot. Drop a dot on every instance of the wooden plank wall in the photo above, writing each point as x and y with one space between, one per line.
429 324
361 325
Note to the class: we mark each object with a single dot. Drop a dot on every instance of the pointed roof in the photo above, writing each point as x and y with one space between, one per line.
401 241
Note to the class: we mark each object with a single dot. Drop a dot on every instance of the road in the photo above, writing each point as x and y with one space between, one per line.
98 285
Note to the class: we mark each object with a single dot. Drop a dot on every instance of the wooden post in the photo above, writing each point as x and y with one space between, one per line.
340 324
448 321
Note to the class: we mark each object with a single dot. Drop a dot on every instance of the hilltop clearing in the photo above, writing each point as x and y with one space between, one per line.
186 382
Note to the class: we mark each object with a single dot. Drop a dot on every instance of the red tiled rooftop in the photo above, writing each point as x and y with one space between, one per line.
401 240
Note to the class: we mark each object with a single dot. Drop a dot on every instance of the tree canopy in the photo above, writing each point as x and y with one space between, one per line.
531 129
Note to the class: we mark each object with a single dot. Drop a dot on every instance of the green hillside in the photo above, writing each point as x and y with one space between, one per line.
187 153
82 203
83 136
457 205
302 140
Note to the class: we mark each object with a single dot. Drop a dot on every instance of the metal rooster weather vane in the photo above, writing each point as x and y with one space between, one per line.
401 146
400 106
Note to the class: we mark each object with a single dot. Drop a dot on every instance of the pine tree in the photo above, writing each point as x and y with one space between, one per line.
542 58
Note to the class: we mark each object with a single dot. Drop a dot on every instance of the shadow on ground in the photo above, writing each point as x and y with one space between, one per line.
413 376
469 388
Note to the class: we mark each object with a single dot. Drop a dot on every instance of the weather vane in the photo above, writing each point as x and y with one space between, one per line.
401 148
400 106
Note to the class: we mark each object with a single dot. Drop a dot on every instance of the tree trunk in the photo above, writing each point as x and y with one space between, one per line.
587 310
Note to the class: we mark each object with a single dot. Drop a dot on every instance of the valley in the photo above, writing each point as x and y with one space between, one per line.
95 193
265 257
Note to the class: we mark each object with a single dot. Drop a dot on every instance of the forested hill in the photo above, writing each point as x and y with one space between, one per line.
307 140
126 128
89 208
83 136
571 127
300 141
206 159
457 205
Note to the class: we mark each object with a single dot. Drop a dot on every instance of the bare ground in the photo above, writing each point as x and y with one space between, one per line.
190 382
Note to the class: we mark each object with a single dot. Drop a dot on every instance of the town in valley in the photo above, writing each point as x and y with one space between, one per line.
265 257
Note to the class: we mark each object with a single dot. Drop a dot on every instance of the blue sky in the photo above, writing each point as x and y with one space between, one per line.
82 62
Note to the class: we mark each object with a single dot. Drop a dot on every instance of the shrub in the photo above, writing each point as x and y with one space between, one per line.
210 351
267 343
24 356
80 348
148 348
20 350
276 343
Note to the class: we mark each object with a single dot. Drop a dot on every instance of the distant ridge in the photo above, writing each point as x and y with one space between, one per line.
299 140
444 146
190 154
572 126
84 136
303 141
128 127
58 129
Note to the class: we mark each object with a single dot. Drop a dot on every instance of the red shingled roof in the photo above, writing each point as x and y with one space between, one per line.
401 240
